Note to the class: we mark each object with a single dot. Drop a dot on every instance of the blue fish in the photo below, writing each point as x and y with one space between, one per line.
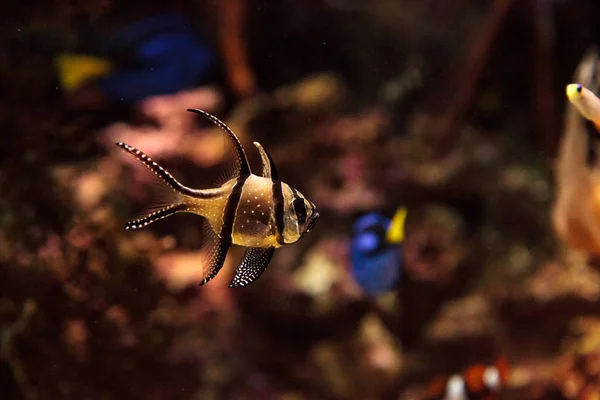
376 251
159 55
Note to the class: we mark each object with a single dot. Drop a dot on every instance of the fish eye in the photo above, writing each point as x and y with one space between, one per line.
300 209
367 241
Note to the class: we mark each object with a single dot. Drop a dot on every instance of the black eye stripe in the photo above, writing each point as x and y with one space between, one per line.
299 206
300 209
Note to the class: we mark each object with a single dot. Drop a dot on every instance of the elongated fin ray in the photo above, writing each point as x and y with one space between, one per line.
253 265
269 170
155 216
242 165
157 169
165 175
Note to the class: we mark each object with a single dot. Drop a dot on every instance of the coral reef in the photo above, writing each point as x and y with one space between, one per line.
498 259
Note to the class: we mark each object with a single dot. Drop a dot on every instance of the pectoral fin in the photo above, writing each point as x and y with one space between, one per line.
253 265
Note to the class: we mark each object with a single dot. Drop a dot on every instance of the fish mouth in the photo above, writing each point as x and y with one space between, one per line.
312 221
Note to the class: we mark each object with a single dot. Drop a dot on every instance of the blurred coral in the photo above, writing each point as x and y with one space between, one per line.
433 248
554 280
579 377
463 319
173 125
372 358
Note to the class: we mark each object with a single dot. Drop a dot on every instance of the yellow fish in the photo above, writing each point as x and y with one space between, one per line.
576 208
258 212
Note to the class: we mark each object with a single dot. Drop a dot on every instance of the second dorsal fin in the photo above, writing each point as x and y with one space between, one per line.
269 170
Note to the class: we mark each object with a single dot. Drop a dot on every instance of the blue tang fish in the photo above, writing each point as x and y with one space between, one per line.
376 251
157 55
166 54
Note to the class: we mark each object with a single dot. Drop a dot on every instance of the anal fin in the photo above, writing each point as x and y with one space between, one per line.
253 265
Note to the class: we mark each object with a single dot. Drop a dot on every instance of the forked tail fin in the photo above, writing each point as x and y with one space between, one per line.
157 169
172 192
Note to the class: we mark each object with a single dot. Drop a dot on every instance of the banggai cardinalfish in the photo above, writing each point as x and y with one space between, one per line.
258 212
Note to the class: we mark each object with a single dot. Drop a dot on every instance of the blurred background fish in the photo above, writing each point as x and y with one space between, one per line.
376 251
477 382
158 54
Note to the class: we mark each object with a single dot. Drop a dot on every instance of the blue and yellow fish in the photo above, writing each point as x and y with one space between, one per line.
376 251
157 55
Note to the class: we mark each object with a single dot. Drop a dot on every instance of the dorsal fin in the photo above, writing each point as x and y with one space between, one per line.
242 166
269 170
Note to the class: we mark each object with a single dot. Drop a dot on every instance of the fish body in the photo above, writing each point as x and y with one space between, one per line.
258 212
477 382
376 251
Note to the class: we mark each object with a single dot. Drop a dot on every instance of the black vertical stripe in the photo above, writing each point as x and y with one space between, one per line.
278 199
274 173
300 210
298 206
230 207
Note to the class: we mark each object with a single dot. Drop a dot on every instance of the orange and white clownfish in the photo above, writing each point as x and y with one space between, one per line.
477 382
